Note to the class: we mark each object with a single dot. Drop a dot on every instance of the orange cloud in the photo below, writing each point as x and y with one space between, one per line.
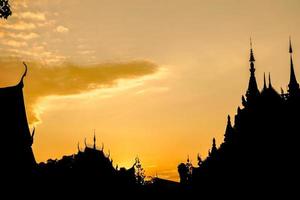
68 79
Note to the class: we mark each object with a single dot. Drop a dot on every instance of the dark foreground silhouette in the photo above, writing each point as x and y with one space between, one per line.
259 154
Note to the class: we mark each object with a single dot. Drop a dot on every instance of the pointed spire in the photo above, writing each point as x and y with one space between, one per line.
252 91
229 131
270 83
214 147
85 142
94 139
290 47
228 121
293 84
252 59
265 84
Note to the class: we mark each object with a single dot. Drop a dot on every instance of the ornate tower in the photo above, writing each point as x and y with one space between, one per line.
252 92
293 84
16 141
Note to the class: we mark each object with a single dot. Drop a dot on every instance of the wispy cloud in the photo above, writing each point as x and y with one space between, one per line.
13 43
86 52
19 25
69 79
24 36
38 16
153 90
61 29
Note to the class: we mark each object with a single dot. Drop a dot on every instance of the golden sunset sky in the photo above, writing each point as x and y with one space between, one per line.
154 78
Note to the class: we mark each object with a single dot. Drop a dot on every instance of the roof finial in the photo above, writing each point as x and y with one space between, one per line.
251 52
270 83
290 47
265 84
293 84
24 74
228 119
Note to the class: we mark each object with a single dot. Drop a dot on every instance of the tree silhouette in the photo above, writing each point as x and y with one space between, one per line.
5 11
140 172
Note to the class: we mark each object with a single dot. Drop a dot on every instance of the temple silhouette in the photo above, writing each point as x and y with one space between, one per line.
18 164
260 150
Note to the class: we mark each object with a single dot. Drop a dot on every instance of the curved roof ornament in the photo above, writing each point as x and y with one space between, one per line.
24 74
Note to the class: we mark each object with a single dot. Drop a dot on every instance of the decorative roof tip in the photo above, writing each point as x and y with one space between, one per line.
270 83
252 59
290 46
24 74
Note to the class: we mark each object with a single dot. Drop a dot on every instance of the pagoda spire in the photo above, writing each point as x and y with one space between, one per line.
252 91
214 148
293 84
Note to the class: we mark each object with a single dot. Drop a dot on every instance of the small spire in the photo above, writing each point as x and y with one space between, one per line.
293 84
85 142
270 83
214 147
252 59
252 91
265 84
228 120
290 46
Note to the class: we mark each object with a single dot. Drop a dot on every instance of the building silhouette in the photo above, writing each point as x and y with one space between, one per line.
18 164
259 153
260 150
16 152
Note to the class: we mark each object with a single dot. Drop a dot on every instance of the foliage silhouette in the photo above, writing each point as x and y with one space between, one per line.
5 10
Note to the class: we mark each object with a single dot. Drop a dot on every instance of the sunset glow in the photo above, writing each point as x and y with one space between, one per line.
155 79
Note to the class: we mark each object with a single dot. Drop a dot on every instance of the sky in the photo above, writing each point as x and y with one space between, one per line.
154 78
